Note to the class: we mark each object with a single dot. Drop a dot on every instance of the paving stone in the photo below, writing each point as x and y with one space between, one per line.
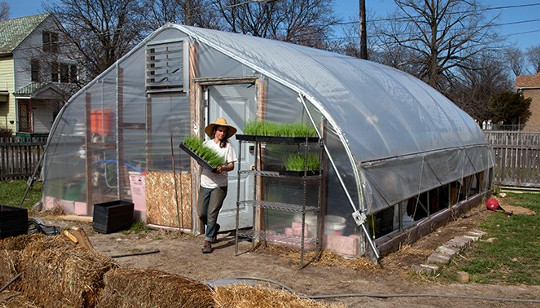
463 277
439 258
460 242
479 232
448 250
425 269
473 238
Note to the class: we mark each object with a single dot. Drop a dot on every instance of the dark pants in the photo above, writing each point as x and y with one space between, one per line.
210 203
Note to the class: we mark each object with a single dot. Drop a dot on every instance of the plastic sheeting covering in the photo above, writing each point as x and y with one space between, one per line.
381 114
389 135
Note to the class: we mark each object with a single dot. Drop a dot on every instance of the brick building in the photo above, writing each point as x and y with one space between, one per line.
530 87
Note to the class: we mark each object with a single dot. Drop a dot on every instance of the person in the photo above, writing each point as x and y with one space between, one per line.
213 188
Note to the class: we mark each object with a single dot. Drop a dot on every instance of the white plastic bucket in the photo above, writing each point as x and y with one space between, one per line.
334 224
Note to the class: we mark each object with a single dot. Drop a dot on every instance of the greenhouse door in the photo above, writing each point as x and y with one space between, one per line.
235 103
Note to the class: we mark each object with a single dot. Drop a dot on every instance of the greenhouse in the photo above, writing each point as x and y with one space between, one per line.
396 156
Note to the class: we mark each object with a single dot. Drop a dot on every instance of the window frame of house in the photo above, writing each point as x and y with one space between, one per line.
63 72
50 41
35 70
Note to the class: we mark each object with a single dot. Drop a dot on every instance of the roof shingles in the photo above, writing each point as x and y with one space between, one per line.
14 31
531 81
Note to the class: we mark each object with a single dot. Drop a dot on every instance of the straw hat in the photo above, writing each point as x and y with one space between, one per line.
231 130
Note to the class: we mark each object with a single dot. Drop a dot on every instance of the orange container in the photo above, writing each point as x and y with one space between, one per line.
101 122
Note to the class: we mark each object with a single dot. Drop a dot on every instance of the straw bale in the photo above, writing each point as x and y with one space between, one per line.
13 299
19 242
247 296
8 261
10 250
162 198
58 273
125 287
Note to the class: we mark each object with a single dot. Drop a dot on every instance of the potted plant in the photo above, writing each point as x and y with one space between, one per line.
204 155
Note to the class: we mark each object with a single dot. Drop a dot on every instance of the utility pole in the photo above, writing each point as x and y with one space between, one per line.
363 32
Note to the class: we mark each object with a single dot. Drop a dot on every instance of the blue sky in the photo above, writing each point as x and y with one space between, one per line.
515 21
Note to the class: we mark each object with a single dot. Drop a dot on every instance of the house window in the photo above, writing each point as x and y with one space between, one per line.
54 72
165 67
50 42
73 74
63 72
35 70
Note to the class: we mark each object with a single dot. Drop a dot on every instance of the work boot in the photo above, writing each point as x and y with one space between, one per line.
214 238
207 248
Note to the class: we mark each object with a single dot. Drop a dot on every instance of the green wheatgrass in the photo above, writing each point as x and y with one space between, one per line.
295 162
207 154
267 128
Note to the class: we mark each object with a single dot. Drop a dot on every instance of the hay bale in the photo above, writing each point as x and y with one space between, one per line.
57 273
8 261
125 287
10 251
13 299
246 296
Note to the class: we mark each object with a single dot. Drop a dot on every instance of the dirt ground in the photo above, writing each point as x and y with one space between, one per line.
335 283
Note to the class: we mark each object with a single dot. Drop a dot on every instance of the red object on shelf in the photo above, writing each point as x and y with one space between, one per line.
101 122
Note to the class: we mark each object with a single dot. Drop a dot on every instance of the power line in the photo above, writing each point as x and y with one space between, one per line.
485 9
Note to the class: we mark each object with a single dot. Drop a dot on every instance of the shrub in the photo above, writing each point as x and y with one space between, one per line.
6 132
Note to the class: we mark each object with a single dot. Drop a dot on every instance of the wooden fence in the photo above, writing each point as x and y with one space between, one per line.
20 156
517 158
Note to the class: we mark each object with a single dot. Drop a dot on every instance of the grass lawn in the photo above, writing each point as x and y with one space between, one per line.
12 192
513 257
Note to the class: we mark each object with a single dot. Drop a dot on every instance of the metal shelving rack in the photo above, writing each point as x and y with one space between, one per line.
256 234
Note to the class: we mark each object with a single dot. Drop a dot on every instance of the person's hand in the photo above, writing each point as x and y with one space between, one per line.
219 169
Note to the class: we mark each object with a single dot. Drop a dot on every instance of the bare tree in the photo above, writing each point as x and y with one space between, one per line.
189 12
442 35
473 89
4 11
102 30
533 55
515 59
305 22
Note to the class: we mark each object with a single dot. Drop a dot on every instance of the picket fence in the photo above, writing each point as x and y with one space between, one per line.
516 157
19 156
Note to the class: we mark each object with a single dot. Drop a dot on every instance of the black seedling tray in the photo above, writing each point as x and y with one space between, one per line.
13 221
112 216
275 139
298 173
199 159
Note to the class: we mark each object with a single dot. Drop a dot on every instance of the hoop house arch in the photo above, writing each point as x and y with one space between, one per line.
397 153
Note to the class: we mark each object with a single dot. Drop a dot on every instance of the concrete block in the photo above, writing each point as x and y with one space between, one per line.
448 250
288 231
439 258
343 245
297 225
